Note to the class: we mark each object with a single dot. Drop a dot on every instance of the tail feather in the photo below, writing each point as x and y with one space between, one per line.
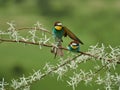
60 51
57 51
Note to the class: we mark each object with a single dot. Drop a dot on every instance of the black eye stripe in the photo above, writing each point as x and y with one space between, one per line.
74 45
58 25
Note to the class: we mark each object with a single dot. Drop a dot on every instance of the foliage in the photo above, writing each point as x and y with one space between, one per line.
102 73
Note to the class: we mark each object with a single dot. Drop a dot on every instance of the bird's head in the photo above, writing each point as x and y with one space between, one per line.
58 25
74 44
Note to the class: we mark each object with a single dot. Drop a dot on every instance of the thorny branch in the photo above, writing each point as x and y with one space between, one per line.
46 45
23 82
30 28
56 68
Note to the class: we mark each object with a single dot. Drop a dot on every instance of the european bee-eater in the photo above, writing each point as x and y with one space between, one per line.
59 31
74 46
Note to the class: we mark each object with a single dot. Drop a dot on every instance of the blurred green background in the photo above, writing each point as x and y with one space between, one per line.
93 21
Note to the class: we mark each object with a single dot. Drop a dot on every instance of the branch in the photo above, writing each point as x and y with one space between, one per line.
55 68
26 42
36 79
46 45
27 28
109 60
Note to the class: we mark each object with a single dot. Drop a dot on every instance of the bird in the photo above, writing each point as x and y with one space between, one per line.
59 31
74 46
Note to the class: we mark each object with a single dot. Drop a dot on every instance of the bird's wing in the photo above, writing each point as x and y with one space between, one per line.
71 35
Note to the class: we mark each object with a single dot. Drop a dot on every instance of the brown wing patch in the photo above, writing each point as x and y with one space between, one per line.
71 35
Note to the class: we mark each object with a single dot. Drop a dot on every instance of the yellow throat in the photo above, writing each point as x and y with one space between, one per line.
74 47
58 27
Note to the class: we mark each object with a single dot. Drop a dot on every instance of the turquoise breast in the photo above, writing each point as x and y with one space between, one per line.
58 33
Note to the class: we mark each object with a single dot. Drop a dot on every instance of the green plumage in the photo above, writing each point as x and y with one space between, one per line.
74 50
58 34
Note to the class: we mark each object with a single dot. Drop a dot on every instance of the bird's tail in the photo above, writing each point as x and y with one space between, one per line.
60 51
57 51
